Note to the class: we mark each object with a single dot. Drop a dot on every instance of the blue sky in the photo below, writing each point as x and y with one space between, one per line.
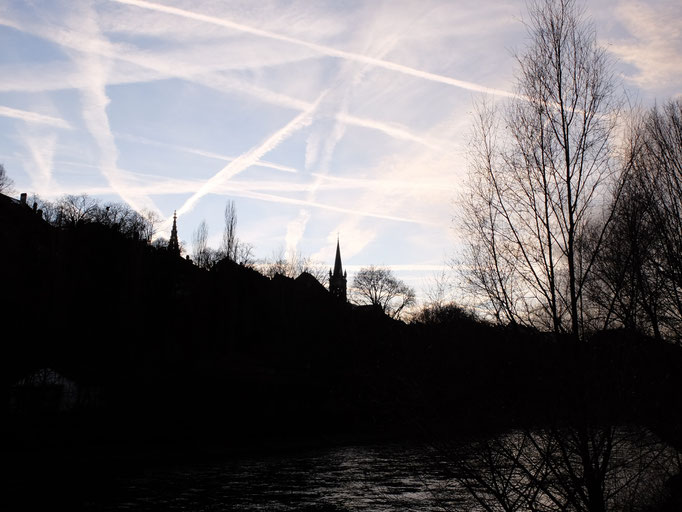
317 118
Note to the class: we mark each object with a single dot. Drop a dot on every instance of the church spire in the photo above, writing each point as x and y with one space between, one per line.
337 280
338 270
173 245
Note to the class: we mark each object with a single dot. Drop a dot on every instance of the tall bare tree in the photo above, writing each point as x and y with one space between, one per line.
540 171
658 166
231 246
640 268
230 242
200 249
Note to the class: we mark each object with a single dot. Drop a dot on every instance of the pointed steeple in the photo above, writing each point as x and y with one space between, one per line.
337 280
338 269
173 245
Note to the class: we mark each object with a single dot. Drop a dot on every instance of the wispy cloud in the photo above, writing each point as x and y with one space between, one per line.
61 74
394 130
75 28
323 141
251 157
295 231
34 117
321 49
95 102
354 234
41 148
149 65
201 152
142 185
408 268
655 41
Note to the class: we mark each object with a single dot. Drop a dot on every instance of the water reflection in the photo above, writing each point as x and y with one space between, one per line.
403 478
356 478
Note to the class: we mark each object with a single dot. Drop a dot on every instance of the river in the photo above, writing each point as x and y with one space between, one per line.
352 478
396 477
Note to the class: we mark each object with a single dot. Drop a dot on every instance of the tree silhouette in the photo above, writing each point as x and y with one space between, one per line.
640 268
75 210
229 242
538 173
577 469
6 183
200 250
378 286
231 246
292 265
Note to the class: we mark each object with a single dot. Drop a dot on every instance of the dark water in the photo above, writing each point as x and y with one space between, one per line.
366 478
392 477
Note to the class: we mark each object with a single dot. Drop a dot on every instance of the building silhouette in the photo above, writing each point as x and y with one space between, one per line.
173 245
337 280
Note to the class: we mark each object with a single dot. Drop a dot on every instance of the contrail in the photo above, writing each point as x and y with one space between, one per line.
417 267
397 132
34 117
212 80
324 50
201 152
252 156
323 206
227 188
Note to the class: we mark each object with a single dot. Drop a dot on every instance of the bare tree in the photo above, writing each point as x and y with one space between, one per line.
539 175
74 210
6 183
378 286
243 254
657 166
231 246
439 291
48 208
230 242
575 469
200 249
292 265
151 223
444 313
640 269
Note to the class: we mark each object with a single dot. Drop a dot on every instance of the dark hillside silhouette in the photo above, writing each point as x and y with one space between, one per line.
159 336
109 339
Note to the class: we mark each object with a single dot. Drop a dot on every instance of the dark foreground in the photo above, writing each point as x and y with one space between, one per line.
120 357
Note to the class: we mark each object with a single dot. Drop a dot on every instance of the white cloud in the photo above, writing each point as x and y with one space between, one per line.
655 43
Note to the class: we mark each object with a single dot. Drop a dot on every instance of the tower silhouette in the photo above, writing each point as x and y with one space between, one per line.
173 245
337 280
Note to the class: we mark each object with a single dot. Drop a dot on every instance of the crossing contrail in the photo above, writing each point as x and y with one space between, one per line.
322 49
252 156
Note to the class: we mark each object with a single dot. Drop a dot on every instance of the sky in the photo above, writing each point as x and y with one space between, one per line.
319 119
